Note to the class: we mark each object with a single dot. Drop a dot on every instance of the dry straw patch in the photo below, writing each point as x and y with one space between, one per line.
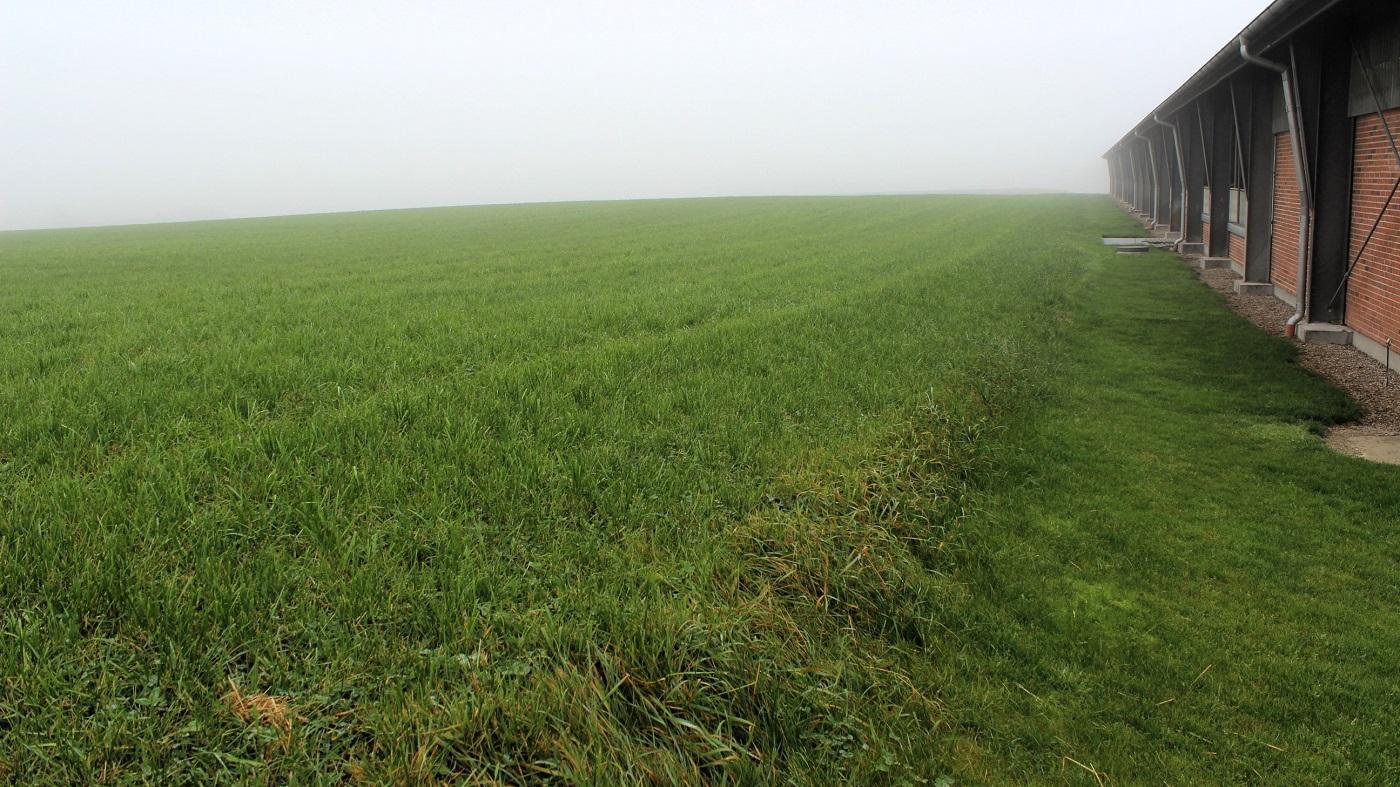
259 708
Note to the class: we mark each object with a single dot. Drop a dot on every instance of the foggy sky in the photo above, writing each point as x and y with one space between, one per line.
156 111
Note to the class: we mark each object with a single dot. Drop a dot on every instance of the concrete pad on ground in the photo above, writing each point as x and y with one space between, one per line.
1253 288
1364 442
1324 333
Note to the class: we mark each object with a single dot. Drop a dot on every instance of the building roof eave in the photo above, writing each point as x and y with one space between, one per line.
1273 26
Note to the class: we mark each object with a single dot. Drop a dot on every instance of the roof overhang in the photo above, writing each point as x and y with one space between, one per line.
1273 26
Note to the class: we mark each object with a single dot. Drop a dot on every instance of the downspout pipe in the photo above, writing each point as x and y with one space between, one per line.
1152 170
1181 173
1300 171
1132 179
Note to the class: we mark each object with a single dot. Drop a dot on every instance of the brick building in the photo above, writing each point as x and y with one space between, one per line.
1282 155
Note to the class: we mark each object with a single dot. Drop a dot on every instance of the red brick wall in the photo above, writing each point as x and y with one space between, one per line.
1373 292
1283 251
1205 234
1236 248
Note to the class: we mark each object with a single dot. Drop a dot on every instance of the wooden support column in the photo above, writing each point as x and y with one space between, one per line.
1264 92
1136 192
1175 186
1190 127
1161 144
1222 153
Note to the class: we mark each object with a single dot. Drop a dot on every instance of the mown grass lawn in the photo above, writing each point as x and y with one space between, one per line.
816 490
1180 582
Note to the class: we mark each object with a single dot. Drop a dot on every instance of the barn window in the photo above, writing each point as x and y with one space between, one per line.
1239 198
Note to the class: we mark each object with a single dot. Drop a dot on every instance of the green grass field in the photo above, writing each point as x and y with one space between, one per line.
824 490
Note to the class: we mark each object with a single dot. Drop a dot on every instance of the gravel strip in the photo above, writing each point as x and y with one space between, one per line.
1345 367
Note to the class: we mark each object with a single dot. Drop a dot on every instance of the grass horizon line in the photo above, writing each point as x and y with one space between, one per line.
981 192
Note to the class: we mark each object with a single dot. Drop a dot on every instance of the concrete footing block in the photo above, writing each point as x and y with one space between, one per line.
1197 249
1253 288
1211 263
1324 333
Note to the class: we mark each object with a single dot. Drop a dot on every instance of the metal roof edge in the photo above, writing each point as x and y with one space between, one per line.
1275 24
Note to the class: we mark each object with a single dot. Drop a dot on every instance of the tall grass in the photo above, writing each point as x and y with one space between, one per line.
602 492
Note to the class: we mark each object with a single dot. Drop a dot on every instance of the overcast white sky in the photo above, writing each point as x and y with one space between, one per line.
132 111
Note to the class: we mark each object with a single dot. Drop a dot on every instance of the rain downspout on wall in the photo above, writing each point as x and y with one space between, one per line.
1132 169
1181 173
1300 171
1152 170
